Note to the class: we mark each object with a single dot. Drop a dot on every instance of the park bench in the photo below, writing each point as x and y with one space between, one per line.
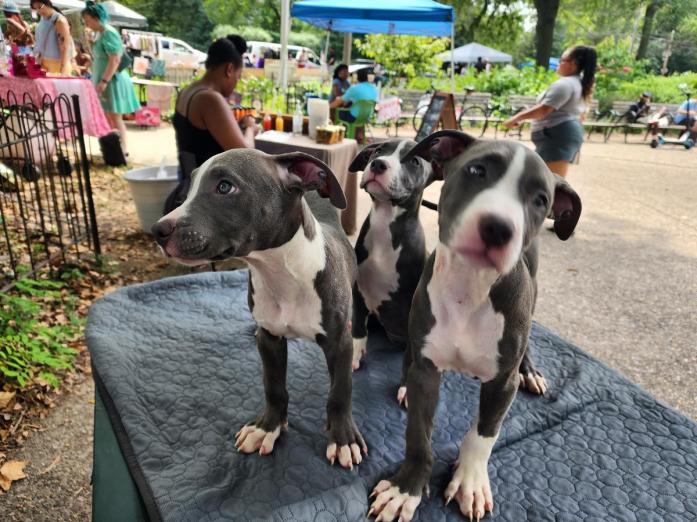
620 110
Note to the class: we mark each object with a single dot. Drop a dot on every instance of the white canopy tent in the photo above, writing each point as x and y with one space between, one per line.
60 4
470 52
119 15
122 16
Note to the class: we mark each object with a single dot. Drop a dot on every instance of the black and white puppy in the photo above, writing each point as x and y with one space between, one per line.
256 207
472 309
390 250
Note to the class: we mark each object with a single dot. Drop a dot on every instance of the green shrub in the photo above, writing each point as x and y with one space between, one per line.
30 349
248 33
500 81
664 89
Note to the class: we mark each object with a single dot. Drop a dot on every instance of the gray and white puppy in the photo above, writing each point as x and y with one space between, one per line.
256 207
390 249
472 309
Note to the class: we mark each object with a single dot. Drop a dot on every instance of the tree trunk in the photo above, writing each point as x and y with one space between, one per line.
651 9
544 30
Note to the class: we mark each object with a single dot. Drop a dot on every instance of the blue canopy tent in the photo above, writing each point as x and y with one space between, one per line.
413 17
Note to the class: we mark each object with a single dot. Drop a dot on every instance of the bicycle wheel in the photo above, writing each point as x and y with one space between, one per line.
419 114
473 120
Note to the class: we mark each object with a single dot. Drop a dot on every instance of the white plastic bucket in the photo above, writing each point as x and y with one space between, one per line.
150 192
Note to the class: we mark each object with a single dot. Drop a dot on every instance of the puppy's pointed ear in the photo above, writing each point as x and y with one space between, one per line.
360 162
566 209
440 147
300 171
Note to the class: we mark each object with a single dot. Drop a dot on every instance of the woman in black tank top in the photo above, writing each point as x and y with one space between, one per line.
203 122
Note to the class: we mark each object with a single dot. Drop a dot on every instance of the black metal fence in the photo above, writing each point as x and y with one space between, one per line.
47 216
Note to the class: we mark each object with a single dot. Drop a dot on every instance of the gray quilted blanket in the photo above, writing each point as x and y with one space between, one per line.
178 363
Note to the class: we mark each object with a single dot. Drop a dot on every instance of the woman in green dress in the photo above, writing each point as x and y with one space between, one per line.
114 88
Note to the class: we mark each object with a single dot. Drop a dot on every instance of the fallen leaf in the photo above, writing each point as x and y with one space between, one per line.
5 398
11 471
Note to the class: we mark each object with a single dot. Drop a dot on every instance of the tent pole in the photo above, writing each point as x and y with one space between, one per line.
452 57
326 45
285 29
348 38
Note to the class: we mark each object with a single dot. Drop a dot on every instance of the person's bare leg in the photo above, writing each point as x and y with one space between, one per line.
558 167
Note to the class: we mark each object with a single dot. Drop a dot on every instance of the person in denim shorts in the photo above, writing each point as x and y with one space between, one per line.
556 118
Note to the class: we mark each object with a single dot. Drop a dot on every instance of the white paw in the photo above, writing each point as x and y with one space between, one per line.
402 397
358 351
251 438
470 482
534 383
389 503
346 455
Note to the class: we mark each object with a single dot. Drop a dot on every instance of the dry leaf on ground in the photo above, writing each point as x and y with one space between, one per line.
11 471
5 398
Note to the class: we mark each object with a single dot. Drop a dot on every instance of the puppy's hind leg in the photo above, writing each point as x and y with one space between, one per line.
530 378
261 434
359 330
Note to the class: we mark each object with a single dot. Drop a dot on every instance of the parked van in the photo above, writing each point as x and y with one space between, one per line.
157 46
257 50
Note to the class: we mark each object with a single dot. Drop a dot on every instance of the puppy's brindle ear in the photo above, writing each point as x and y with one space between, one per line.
566 209
440 147
304 172
360 162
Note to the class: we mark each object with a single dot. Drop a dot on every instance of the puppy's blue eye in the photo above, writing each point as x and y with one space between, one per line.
414 161
477 170
224 187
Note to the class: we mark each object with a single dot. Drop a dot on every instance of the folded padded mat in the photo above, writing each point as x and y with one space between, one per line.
176 364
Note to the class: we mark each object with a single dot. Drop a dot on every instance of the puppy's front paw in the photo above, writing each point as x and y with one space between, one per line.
346 444
470 488
252 438
359 346
390 503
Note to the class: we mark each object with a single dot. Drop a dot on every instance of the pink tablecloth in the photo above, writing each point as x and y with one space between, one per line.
94 122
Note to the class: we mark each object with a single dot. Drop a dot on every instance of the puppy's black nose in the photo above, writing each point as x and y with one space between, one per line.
162 230
494 231
378 166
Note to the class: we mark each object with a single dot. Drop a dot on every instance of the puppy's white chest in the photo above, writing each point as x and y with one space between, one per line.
292 310
377 274
467 330
286 302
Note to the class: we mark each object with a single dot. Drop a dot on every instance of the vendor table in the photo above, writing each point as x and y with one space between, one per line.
338 156
155 93
94 122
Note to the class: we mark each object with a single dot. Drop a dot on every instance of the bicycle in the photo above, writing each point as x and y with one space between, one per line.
422 107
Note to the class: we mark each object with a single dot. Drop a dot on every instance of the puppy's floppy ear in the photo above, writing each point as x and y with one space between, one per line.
361 161
440 147
300 171
566 209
